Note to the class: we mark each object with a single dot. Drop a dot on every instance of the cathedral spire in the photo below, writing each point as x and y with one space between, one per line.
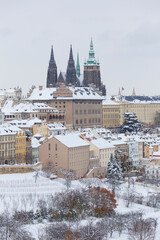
78 66
91 51
52 55
71 77
71 54
52 71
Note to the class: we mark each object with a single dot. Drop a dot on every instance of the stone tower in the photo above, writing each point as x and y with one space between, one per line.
71 77
52 71
92 70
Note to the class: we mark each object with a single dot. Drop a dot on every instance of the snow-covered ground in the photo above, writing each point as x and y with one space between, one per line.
21 192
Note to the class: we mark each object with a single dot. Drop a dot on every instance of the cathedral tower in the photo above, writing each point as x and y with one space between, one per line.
92 70
71 77
52 71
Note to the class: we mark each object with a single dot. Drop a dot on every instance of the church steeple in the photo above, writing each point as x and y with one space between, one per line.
71 77
78 66
52 71
92 74
52 55
91 51
71 54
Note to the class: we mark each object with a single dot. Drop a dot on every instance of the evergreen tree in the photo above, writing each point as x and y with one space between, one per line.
114 172
131 123
114 169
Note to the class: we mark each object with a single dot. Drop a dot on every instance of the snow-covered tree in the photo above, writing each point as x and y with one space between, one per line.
131 123
114 172
114 169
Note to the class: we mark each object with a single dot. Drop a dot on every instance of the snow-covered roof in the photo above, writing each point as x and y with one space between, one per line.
101 143
56 126
43 106
35 142
71 140
25 123
78 93
8 129
23 107
8 107
108 101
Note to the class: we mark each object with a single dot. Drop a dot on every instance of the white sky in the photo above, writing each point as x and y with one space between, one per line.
126 37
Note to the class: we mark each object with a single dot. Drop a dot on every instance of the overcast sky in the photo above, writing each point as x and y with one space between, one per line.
126 37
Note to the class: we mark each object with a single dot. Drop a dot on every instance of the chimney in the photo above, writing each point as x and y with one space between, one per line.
40 88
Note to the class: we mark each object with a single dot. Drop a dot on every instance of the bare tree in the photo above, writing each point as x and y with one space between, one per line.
143 229
68 175
91 231
10 229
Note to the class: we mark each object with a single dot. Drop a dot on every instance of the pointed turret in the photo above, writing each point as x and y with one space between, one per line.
78 66
52 55
133 93
60 79
52 71
71 77
119 92
71 54
91 51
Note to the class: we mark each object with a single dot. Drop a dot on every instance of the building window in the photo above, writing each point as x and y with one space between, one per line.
56 146
56 155
49 146
76 121
49 155
56 164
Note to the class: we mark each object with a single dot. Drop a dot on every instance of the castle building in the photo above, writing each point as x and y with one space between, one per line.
73 77
52 71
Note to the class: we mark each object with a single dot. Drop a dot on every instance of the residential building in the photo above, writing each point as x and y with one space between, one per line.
7 146
56 129
20 147
65 152
102 149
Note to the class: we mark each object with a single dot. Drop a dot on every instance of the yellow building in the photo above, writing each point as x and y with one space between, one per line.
41 129
20 147
145 111
111 114
113 111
